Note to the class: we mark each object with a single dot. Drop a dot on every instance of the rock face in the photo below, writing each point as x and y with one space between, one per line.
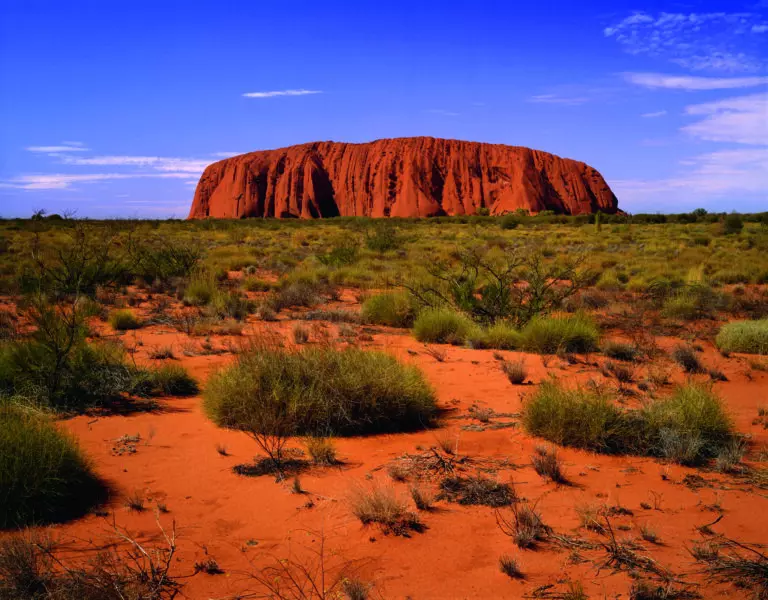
403 177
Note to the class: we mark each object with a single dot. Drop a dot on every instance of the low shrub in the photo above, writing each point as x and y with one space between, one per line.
525 525
732 224
686 357
383 237
691 301
549 335
749 337
321 449
254 284
442 326
509 566
84 376
168 380
32 567
123 320
393 309
515 371
319 391
476 490
200 289
299 291
547 464
421 497
382 506
574 417
230 305
689 427
44 476
621 351
499 336
300 333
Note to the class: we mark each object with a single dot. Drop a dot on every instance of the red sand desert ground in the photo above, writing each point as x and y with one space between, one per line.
248 523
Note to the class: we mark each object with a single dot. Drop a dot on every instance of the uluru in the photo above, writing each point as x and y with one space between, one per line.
401 177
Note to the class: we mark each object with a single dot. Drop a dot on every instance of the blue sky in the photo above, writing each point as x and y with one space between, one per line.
113 107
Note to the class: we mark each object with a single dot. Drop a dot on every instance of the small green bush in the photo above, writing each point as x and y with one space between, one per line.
44 476
499 336
692 302
686 357
123 320
254 284
442 326
573 417
394 309
230 305
384 237
88 375
621 351
548 335
301 289
509 221
733 224
200 289
689 427
750 337
168 380
319 391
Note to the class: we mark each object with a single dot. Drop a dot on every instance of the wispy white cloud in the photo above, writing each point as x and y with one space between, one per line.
159 163
731 172
558 99
654 115
742 120
64 147
276 93
441 111
717 41
692 83
59 181
225 154
715 174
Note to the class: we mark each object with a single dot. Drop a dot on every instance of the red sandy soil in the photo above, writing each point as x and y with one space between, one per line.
247 523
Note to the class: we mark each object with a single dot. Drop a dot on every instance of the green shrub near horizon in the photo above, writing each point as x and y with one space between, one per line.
442 326
87 376
749 337
393 309
499 336
573 417
200 289
44 476
319 391
124 320
93 374
549 335
167 380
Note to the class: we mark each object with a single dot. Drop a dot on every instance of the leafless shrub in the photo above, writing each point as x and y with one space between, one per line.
439 354
381 505
422 497
524 525
509 566
31 567
515 371
547 464
734 562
